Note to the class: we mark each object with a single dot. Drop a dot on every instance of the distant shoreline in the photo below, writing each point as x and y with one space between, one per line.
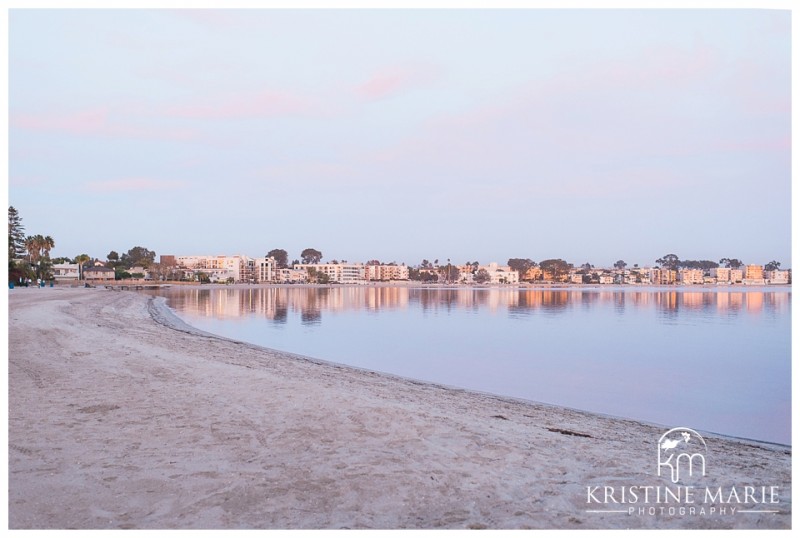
405 284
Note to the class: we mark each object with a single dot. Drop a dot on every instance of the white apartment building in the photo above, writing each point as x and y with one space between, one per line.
66 272
219 268
342 273
265 270
500 274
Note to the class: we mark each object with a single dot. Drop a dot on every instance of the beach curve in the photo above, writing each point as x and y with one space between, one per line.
121 416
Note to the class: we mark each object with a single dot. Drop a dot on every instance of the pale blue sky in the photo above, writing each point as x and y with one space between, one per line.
403 135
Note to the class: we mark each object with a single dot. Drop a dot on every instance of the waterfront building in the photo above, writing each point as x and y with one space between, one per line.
754 272
66 272
386 272
288 275
341 273
264 270
777 277
500 274
722 275
219 268
691 276
465 274
661 276
606 278
754 275
98 273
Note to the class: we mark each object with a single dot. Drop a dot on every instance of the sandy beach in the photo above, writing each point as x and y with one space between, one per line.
122 417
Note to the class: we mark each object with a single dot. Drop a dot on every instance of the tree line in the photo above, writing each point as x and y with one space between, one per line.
29 257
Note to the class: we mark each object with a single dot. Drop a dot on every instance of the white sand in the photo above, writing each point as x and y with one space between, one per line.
118 421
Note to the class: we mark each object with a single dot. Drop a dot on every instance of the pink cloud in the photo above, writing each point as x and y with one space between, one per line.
391 81
87 121
133 184
97 121
585 122
262 104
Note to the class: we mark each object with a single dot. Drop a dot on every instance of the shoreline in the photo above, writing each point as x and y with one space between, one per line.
419 285
161 425
162 313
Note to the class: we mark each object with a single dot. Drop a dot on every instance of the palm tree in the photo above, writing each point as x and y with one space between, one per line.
80 259
39 251
32 246
47 244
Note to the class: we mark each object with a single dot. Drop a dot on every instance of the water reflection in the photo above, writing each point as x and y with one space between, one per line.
619 351
276 303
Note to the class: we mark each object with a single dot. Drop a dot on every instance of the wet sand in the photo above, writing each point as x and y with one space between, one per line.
120 416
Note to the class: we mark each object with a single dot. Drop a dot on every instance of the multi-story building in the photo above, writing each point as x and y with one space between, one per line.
465 274
691 276
341 273
265 270
386 272
753 275
753 272
638 275
663 276
722 274
219 268
777 277
500 274
66 272
736 276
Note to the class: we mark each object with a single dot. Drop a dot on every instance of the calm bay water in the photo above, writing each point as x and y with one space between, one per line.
717 360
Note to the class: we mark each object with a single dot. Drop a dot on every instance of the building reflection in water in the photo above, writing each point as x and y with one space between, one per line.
276 303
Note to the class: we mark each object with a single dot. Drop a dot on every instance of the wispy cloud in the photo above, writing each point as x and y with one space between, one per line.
573 129
391 81
135 184
261 104
100 121
87 121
